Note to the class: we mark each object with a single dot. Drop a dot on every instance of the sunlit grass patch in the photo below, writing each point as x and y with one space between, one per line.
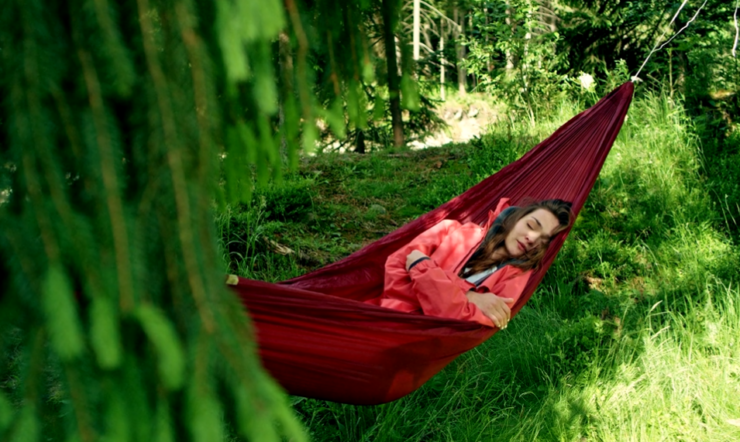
684 385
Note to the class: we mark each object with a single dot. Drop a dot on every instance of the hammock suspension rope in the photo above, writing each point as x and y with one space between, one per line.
635 78
737 30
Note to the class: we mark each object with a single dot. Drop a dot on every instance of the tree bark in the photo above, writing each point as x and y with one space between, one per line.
360 142
417 25
394 89
510 22
285 67
487 40
425 34
460 50
442 61
670 70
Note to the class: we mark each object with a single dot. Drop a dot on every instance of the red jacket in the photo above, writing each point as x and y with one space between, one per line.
432 287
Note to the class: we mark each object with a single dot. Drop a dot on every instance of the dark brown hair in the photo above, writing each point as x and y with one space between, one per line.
482 259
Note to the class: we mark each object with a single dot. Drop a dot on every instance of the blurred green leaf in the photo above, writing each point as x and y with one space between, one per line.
65 330
105 334
162 335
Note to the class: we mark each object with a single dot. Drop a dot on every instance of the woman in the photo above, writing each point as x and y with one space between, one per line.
469 272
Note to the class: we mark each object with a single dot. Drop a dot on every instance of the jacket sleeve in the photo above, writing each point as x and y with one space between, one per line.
397 287
427 242
510 282
440 296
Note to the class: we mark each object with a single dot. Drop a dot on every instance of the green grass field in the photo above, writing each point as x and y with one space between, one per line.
633 334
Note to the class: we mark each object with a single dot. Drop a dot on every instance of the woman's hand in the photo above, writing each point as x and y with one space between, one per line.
413 256
495 307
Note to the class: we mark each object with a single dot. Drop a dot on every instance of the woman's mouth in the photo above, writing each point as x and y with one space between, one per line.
521 246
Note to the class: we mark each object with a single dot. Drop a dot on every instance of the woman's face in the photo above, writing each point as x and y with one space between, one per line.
530 233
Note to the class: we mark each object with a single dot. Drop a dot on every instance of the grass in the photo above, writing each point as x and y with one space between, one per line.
633 334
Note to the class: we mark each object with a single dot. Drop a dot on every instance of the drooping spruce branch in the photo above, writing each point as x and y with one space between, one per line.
123 124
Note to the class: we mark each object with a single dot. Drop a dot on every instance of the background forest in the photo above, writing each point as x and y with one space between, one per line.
148 147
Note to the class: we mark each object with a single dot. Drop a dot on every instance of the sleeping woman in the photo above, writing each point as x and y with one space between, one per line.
469 272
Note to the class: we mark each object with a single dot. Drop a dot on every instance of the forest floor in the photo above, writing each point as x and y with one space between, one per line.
634 334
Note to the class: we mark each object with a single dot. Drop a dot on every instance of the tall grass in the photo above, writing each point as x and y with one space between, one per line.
633 334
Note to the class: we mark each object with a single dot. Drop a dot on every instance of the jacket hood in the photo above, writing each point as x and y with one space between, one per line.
503 204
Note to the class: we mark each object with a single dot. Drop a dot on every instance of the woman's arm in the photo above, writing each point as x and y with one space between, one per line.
439 295
414 258
397 291
396 266
495 307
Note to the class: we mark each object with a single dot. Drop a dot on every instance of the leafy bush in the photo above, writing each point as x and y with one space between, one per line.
291 200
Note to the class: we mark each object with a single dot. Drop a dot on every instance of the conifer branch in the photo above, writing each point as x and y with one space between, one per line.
193 45
303 88
349 26
28 266
334 77
73 135
80 404
33 186
174 159
205 111
110 183
34 117
36 365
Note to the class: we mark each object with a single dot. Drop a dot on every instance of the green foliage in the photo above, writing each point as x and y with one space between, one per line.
61 314
512 52
162 335
26 428
205 412
291 201
6 412
105 333
110 157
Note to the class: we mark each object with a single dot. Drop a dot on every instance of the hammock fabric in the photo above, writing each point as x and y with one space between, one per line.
319 340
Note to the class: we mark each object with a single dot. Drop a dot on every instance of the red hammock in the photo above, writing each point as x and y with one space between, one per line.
319 340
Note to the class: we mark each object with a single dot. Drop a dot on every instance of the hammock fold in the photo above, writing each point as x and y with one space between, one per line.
319 340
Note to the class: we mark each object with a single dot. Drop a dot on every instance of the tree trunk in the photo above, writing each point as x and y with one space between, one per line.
510 23
683 64
425 34
360 142
470 26
527 37
394 90
285 67
442 62
460 50
670 70
417 23
487 40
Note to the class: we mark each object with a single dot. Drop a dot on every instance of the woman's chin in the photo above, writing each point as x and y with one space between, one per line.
515 253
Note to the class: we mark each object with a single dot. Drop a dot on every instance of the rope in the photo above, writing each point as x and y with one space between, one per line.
636 78
737 30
